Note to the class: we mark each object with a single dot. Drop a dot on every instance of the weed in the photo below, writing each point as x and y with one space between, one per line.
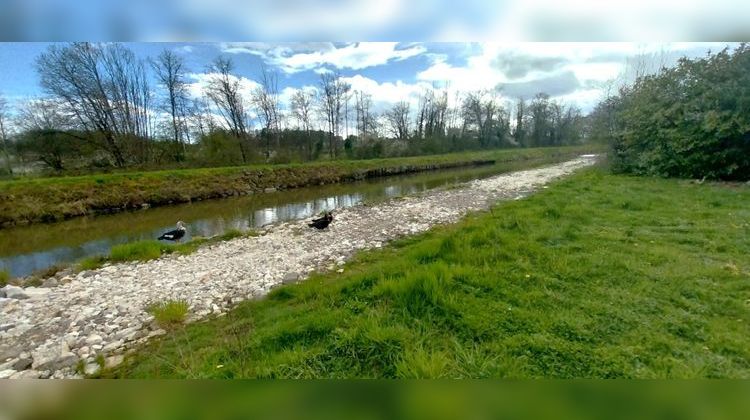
170 313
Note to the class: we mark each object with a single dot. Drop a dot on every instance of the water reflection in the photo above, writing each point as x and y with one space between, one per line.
24 250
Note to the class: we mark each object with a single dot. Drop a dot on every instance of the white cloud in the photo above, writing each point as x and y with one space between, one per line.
197 88
292 58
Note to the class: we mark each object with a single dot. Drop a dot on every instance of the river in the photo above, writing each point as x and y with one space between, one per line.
27 249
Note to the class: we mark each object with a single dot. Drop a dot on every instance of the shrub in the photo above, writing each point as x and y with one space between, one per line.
689 121
169 313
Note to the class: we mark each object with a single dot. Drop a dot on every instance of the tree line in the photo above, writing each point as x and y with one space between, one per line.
100 110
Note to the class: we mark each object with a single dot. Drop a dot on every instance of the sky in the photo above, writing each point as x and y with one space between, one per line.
576 73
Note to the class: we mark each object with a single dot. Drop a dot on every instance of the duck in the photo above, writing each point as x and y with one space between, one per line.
323 222
174 235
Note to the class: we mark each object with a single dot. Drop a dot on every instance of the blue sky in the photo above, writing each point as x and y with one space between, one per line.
390 71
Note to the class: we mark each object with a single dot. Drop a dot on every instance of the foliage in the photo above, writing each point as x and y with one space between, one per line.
4 278
689 121
169 313
619 282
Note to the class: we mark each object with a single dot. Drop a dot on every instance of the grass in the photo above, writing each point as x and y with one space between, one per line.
170 313
152 249
4 278
53 199
634 277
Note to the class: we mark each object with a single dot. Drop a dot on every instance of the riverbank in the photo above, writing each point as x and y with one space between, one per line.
52 199
598 276
103 312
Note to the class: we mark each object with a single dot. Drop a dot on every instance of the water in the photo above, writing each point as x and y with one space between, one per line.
26 249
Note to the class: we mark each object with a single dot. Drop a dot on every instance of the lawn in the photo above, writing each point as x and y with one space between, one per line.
598 276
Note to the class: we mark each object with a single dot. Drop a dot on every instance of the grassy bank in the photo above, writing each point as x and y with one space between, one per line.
153 249
52 199
635 277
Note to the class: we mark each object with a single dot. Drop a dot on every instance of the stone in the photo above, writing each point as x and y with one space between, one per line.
15 292
22 364
93 339
9 352
91 368
5 374
156 333
50 282
6 327
290 277
2 293
112 346
127 334
113 361
27 374
64 360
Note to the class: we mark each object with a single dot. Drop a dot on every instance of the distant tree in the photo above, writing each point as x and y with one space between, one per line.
302 110
170 72
4 117
332 98
485 117
266 101
224 90
398 120
105 88
519 132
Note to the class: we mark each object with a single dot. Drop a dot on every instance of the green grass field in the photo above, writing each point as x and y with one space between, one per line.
598 276
53 199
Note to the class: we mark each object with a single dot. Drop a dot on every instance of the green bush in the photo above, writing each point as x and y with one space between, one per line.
4 277
689 121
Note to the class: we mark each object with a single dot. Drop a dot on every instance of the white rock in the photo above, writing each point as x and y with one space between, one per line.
91 368
93 339
113 361
15 292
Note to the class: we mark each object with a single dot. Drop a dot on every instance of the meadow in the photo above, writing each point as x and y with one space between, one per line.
597 276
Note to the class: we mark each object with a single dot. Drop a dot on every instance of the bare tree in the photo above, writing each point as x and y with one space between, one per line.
224 91
4 117
104 87
519 132
366 119
170 72
200 119
398 120
266 101
431 113
44 114
333 95
302 109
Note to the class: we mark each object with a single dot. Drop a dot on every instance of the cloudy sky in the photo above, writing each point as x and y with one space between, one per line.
391 71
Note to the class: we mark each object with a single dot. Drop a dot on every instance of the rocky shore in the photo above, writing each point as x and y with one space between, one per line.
97 316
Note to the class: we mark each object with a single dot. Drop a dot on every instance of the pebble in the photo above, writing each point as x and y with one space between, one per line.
104 311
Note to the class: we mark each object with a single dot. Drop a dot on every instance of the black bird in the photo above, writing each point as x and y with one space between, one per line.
322 222
174 235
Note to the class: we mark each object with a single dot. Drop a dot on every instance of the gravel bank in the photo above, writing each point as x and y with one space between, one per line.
47 332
